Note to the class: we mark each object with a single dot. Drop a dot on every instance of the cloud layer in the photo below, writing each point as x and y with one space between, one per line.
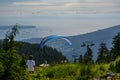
48 7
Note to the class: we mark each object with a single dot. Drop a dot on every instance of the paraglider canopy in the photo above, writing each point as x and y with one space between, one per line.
46 39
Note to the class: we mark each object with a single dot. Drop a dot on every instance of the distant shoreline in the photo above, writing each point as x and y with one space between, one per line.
21 27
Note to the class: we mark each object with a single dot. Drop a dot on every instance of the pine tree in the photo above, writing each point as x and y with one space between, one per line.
103 54
88 55
9 43
10 59
81 59
115 51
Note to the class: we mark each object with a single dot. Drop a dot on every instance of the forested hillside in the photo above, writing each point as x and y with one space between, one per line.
41 55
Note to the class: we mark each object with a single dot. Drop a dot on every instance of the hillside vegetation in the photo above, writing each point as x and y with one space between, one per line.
75 71
40 55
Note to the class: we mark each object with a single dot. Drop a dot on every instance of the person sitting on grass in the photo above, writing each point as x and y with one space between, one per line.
30 64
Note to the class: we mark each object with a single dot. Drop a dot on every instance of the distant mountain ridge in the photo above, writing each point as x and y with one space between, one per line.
104 35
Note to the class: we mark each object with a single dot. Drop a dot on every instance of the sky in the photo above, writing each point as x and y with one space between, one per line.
64 17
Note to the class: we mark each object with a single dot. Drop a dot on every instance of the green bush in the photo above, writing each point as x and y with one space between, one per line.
115 66
11 69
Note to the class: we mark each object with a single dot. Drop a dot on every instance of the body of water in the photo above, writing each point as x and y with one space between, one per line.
67 25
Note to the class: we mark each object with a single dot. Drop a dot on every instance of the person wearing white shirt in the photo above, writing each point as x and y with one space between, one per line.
31 64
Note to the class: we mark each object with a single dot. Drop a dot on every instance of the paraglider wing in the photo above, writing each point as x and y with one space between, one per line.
46 39
67 40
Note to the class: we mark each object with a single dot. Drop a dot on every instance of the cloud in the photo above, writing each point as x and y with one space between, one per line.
49 7
31 3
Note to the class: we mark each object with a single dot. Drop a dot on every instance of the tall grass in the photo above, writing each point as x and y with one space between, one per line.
71 72
75 71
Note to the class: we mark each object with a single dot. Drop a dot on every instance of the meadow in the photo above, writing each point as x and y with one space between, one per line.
76 71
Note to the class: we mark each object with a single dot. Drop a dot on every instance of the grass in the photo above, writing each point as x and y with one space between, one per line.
75 71
70 72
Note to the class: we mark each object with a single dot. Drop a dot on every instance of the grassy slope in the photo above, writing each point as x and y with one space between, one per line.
70 72
76 71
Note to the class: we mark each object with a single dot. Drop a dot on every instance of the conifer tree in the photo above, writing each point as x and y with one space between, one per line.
88 55
81 59
10 59
115 51
9 43
103 54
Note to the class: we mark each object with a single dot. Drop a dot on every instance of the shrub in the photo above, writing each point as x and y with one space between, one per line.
115 66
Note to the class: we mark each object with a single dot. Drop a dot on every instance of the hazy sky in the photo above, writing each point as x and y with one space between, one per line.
77 16
48 7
